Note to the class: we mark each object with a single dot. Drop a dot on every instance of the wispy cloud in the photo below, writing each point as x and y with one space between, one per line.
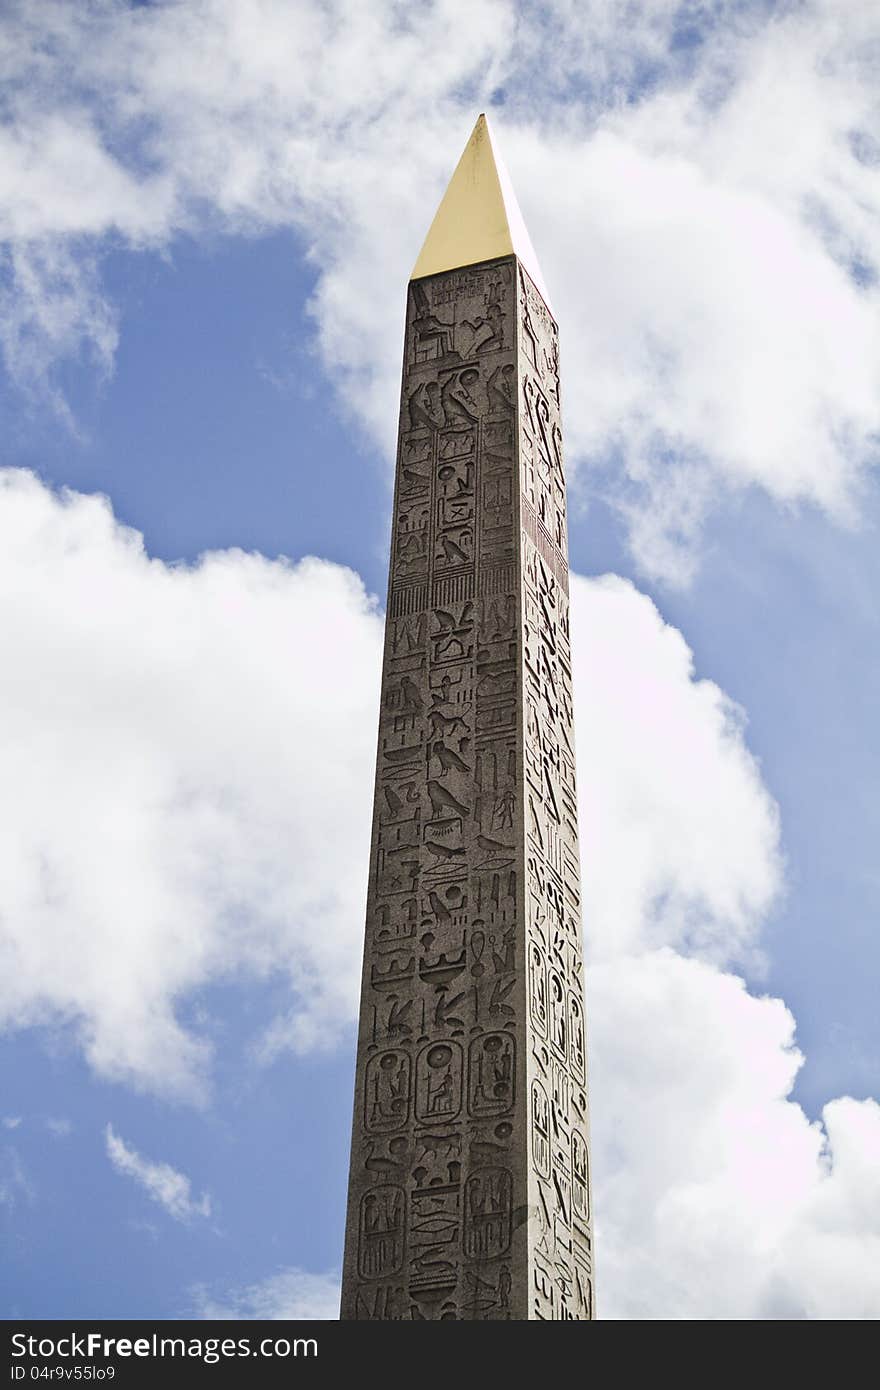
161 1182
706 213
15 1184
11 1121
290 1294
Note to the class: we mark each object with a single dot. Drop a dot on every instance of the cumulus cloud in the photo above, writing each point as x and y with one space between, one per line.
291 1294
680 836
188 757
161 1182
165 730
716 1196
705 207
701 187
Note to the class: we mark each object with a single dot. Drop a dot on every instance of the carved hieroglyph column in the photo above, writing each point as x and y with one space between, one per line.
469 1190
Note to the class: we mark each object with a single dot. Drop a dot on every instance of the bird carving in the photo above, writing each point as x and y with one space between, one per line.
385 1167
412 698
493 846
439 908
452 551
443 851
448 621
441 798
413 476
448 759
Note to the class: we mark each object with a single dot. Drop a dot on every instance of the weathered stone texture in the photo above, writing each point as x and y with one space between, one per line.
469 1192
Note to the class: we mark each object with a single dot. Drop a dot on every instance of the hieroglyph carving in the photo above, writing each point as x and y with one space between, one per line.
469 1186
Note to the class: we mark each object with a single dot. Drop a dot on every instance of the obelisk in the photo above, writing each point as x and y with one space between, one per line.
469 1188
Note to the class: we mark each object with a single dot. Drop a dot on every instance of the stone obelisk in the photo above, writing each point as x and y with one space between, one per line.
469 1188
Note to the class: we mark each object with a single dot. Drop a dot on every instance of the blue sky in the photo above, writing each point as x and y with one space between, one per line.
207 242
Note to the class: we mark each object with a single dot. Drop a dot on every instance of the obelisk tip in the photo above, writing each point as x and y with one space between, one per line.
478 218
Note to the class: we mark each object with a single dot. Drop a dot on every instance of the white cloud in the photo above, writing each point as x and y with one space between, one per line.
715 246
290 1294
173 740
11 1121
161 1182
706 212
716 1197
59 1128
724 326
52 307
188 757
680 837
15 1184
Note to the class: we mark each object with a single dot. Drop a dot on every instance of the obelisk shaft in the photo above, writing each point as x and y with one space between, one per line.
469 1183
